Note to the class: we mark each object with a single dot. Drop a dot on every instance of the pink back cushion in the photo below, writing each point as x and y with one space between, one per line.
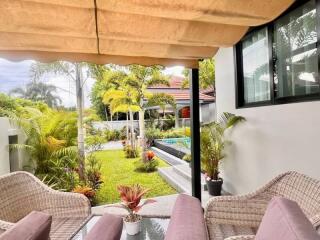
35 226
284 220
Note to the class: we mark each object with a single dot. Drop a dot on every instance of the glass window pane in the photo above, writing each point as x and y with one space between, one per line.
256 74
295 50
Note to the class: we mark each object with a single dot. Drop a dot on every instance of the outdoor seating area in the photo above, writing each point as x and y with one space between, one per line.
159 120
23 193
67 215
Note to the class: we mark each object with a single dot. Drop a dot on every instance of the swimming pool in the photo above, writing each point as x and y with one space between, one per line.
181 142
177 147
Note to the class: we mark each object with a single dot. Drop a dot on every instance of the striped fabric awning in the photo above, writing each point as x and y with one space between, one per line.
147 32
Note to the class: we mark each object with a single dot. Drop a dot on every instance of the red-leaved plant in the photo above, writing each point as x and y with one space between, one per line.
150 155
131 197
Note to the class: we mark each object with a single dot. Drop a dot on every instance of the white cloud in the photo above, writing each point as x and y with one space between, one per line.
17 74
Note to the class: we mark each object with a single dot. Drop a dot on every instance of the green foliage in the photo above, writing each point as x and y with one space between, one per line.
93 172
23 108
161 100
126 88
92 181
147 166
168 122
7 103
155 133
187 158
117 170
114 135
101 85
94 142
213 142
130 152
206 74
50 138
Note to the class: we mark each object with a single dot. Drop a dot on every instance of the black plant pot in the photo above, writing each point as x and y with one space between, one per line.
215 187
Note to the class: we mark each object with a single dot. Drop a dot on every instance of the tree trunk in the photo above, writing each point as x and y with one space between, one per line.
106 112
142 135
80 105
131 130
127 116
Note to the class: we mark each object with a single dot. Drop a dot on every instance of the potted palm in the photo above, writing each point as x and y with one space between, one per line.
131 197
213 143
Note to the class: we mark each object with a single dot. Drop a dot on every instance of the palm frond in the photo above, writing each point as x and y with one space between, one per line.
65 151
21 147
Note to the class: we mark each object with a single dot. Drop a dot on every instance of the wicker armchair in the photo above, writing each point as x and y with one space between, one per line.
227 217
21 193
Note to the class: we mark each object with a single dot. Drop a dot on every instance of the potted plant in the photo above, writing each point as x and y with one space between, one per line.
213 142
131 197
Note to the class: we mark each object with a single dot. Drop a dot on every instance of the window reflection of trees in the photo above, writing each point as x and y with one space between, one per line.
295 51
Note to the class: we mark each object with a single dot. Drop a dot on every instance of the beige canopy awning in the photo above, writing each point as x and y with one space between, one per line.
147 32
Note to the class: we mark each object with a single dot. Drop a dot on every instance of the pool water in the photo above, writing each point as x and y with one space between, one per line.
182 142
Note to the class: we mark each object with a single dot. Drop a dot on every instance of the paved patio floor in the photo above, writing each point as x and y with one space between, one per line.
162 208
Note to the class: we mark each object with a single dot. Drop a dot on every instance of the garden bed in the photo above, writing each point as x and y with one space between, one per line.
117 170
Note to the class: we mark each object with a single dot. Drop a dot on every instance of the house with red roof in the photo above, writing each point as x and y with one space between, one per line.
183 100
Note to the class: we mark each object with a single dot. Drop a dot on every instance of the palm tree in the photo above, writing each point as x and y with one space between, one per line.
162 100
206 74
38 91
73 72
138 79
213 142
45 143
123 100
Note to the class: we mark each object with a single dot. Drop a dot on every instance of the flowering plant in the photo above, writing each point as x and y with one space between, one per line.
131 197
150 155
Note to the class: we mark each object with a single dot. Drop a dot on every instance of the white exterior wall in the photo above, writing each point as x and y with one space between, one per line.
208 113
6 130
4 150
274 139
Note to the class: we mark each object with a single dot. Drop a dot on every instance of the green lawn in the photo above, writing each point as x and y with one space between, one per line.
116 170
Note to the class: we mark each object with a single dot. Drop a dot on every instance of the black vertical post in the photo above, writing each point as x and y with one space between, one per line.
195 134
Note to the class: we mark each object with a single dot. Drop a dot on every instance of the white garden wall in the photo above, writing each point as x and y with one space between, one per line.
274 139
19 158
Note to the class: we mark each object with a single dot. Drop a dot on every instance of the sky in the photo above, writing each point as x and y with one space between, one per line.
17 74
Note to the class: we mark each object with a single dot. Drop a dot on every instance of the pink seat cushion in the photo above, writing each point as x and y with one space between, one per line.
284 220
35 226
109 227
187 220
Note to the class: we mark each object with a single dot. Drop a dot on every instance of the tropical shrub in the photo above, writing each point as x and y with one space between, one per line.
114 135
168 123
130 200
43 143
148 163
49 144
155 133
94 142
213 142
93 172
86 191
130 152
147 166
187 158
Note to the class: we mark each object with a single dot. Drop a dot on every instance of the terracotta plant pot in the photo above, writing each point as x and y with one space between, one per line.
132 228
214 187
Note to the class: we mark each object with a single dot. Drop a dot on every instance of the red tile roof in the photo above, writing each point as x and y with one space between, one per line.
183 94
179 93
175 82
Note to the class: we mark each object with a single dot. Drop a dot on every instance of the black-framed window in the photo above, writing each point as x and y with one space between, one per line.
279 62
